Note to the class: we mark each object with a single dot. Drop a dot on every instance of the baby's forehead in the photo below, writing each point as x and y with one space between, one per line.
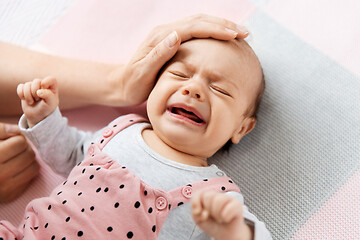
239 47
235 54
234 60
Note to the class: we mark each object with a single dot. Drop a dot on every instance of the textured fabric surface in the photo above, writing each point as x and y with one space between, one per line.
343 206
24 22
305 145
299 168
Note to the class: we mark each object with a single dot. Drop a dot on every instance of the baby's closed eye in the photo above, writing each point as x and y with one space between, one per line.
179 74
220 90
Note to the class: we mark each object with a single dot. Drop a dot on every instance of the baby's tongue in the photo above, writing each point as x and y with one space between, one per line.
187 114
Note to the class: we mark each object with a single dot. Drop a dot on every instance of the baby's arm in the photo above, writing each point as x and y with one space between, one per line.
220 216
58 144
39 98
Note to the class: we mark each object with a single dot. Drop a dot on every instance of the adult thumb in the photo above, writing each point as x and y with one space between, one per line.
8 130
163 51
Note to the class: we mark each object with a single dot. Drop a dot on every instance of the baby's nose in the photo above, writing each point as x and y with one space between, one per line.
191 93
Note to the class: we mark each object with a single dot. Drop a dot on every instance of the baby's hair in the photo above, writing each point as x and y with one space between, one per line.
250 112
253 109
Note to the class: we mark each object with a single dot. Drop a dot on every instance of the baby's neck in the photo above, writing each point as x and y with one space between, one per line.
159 146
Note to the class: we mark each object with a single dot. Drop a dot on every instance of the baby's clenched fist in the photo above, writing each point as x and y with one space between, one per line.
220 216
39 98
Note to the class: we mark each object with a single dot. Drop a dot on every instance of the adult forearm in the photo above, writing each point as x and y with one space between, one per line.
83 82
80 82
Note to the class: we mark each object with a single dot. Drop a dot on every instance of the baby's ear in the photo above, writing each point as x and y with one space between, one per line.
246 126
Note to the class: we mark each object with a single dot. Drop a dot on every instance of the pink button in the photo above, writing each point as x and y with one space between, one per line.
187 191
161 203
91 150
107 132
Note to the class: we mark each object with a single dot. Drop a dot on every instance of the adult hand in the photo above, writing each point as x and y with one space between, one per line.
17 163
136 79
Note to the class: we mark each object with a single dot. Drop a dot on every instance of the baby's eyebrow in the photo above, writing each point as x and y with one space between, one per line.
185 63
212 75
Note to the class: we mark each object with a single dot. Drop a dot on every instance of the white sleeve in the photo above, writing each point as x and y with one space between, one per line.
260 230
58 144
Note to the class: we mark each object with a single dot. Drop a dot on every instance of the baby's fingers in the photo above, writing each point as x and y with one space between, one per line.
215 202
231 210
198 211
49 83
196 204
20 91
46 95
27 91
35 85
28 94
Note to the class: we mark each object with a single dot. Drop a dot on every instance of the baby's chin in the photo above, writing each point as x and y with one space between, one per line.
191 147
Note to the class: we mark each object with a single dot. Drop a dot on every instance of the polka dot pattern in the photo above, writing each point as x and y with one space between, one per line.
100 186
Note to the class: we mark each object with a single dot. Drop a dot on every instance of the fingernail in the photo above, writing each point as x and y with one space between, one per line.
231 31
11 129
242 29
172 39
39 92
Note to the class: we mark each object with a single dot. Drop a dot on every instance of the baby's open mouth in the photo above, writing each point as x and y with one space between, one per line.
187 114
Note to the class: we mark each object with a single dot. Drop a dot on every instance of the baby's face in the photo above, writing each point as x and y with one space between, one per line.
200 99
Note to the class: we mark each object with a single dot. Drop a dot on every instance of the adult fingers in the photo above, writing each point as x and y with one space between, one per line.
11 147
9 193
26 175
207 30
8 130
17 164
204 29
225 23
158 36
151 62
16 185
197 26
202 26
163 51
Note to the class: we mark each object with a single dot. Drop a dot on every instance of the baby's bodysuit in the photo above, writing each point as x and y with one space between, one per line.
63 147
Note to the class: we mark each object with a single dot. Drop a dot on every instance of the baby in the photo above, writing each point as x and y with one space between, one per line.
141 180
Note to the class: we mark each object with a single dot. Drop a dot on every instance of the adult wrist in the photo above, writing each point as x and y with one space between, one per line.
115 92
